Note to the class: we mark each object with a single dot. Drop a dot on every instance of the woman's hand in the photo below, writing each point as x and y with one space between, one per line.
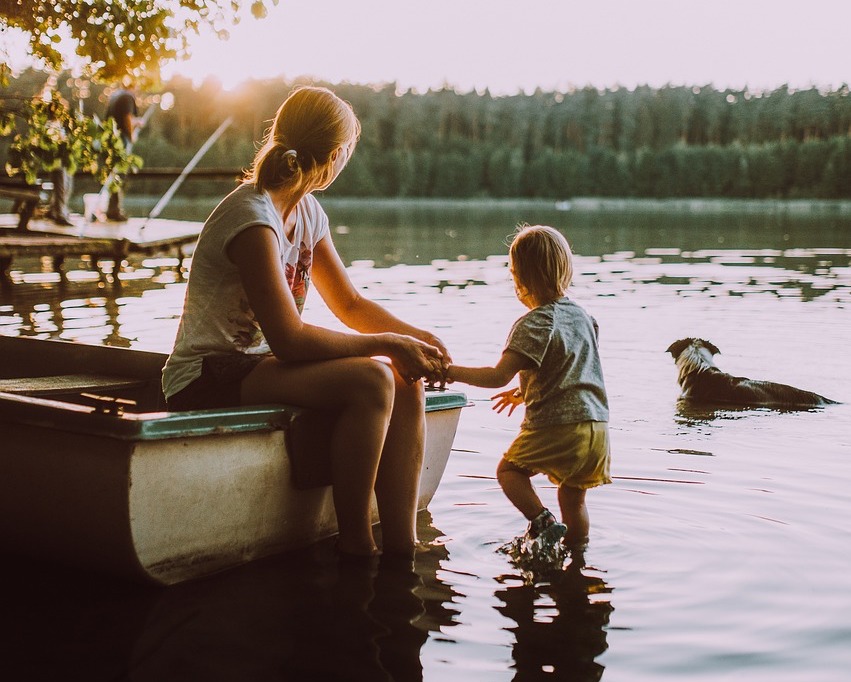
510 399
431 339
414 359
441 379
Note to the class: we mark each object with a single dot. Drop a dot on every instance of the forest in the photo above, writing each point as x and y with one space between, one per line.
673 141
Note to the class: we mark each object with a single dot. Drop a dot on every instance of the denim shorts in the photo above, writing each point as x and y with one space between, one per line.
219 384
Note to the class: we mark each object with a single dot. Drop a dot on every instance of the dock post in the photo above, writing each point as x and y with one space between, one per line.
58 263
5 276
181 263
122 250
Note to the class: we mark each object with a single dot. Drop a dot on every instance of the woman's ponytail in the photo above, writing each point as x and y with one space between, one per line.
298 150
274 166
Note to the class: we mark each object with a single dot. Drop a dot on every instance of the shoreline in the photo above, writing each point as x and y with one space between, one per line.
840 207
141 204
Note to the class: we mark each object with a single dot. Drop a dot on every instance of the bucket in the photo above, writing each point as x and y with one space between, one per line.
94 207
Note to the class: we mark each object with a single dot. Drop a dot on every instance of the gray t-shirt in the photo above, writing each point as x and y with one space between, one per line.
566 386
217 318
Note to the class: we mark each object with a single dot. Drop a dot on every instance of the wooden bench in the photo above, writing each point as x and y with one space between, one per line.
67 383
27 198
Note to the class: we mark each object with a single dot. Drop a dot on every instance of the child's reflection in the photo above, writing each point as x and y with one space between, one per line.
560 630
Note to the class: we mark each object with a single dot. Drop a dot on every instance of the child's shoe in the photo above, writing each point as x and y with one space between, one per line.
540 523
545 532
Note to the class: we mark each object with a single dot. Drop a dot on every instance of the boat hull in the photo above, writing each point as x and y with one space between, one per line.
168 497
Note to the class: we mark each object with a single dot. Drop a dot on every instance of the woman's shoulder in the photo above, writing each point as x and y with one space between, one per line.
247 195
312 208
314 216
244 205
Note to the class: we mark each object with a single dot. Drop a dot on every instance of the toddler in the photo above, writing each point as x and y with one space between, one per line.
554 349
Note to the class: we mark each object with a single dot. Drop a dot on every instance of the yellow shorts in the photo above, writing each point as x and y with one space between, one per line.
576 455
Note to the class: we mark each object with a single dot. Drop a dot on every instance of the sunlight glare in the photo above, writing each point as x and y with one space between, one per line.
551 44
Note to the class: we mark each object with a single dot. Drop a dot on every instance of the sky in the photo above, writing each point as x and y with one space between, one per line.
518 45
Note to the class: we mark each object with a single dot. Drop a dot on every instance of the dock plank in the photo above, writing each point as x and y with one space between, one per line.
138 231
113 241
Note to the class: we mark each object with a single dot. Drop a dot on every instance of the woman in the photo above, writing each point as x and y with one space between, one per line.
242 341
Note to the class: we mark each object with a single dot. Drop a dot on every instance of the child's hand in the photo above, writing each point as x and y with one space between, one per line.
510 399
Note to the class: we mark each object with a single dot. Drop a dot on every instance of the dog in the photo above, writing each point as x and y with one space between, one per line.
702 382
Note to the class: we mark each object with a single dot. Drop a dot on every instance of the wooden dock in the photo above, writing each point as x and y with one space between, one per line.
109 241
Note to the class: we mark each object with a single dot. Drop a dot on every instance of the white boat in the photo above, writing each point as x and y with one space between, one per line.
133 490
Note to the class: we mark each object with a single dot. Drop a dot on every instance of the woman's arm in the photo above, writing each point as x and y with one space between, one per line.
505 370
256 254
351 308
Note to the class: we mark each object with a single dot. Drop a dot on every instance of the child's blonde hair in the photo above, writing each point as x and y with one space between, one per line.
309 127
541 261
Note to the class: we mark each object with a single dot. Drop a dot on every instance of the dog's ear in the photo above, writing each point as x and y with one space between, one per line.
711 347
677 347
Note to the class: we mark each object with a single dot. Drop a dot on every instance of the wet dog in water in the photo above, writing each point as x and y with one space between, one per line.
702 382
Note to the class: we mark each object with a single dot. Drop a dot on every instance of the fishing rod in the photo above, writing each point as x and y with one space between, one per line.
161 204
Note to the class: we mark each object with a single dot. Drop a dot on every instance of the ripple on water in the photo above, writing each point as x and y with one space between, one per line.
721 550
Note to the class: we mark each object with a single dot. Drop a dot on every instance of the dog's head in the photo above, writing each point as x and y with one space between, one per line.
677 347
692 356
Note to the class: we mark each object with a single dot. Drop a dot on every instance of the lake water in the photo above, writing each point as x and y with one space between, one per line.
722 550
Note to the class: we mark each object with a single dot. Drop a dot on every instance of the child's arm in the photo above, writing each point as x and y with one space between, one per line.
505 370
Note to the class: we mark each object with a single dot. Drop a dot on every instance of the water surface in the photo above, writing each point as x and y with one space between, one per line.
721 551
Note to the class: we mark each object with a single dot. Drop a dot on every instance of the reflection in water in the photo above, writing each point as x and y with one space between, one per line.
463 244
405 232
561 623
291 617
772 288
87 311
691 414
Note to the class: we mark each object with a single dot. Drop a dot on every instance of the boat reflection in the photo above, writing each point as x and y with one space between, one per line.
298 616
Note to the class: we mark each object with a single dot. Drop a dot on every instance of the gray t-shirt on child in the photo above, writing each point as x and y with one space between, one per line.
566 386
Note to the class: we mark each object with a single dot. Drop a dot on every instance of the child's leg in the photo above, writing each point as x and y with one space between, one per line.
517 486
574 513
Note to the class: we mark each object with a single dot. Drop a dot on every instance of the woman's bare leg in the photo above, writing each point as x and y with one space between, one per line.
363 391
397 485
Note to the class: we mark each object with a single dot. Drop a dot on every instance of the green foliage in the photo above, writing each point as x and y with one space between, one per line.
119 38
116 40
54 137
668 142
7 123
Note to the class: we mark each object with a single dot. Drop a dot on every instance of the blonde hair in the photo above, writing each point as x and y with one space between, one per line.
541 262
297 151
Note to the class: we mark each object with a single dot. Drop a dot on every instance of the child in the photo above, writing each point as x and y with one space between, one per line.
554 349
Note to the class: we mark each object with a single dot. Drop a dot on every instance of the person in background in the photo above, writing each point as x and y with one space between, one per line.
63 183
241 339
122 108
553 347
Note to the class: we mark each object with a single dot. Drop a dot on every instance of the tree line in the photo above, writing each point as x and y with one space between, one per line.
673 141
